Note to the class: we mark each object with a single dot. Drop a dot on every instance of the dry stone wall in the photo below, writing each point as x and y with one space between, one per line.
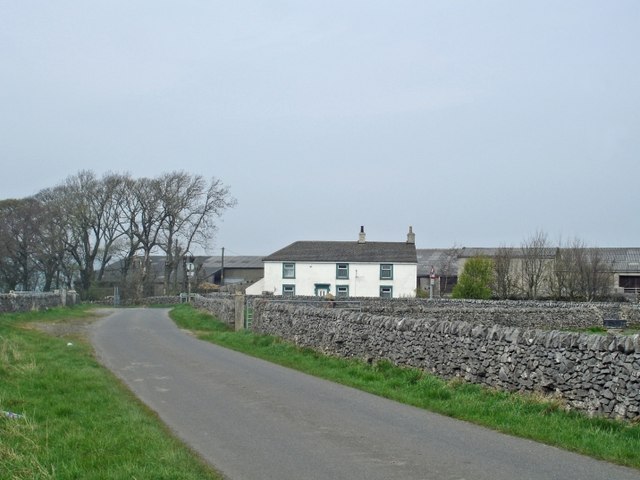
221 306
599 374
524 314
546 315
27 301
158 300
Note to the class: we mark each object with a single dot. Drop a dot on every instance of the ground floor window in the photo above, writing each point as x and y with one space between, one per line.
288 290
629 282
342 291
386 292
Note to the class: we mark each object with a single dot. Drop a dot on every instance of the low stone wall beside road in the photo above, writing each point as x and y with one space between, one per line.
221 306
27 301
599 374
545 315
524 314
160 300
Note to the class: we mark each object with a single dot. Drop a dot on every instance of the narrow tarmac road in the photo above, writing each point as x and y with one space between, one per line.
255 420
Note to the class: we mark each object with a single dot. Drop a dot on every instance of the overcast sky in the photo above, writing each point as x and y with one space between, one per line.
476 122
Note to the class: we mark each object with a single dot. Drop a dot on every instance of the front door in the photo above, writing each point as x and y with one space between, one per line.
322 289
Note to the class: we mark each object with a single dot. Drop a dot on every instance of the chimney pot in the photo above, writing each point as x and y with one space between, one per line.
361 237
411 237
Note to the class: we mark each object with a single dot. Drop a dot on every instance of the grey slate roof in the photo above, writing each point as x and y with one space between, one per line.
314 251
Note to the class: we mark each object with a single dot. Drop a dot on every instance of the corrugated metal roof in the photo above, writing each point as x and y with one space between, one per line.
468 252
439 259
318 251
621 260
231 261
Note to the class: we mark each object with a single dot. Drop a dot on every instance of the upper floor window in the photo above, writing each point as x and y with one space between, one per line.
342 270
386 271
288 270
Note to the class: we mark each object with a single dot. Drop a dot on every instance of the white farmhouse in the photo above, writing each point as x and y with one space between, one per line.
342 269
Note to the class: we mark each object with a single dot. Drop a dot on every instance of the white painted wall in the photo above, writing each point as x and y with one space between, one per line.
364 279
255 288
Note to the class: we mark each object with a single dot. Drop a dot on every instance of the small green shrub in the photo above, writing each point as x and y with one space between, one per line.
476 279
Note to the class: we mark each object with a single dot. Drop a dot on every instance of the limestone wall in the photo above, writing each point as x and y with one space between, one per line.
26 301
221 306
599 374
523 314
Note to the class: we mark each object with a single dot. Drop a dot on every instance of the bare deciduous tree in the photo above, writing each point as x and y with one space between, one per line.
504 277
568 262
146 222
580 272
50 254
446 267
191 205
595 275
535 255
83 203
171 213
114 193
76 228
19 240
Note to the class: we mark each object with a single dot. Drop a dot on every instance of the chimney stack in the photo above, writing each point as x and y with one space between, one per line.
411 237
361 238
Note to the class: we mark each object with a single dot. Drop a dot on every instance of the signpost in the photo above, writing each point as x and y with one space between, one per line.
190 267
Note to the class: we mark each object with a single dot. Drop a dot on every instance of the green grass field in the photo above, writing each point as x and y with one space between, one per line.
536 418
77 421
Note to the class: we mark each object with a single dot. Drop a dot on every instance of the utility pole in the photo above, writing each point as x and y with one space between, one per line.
222 269
432 281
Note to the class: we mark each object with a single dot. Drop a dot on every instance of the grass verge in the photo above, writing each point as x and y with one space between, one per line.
540 419
74 419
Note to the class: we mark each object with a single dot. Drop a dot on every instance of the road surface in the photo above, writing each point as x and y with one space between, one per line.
255 420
